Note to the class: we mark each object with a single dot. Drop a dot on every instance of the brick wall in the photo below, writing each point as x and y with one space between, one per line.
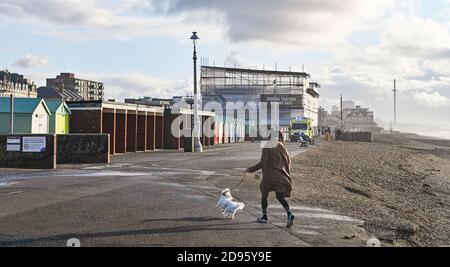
21 160
142 132
109 127
131 131
159 132
86 121
83 148
121 132
170 141
151 131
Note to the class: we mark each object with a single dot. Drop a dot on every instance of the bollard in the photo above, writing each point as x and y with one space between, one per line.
73 243
188 144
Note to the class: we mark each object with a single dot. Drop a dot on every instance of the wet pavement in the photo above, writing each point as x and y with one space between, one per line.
162 198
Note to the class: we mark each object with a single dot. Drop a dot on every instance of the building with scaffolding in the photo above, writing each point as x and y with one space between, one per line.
296 93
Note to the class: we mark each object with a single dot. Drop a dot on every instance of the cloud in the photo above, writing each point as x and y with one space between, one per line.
309 23
67 12
433 99
295 22
30 61
234 59
412 36
413 50
93 20
137 84
409 48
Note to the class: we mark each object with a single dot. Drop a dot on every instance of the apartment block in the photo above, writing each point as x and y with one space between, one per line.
88 90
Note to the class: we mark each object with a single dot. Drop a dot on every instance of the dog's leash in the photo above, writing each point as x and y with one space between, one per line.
244 176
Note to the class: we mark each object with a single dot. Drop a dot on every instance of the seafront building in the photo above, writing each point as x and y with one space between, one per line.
355 118
16 85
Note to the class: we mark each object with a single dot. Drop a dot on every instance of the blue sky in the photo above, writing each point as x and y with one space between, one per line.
141 47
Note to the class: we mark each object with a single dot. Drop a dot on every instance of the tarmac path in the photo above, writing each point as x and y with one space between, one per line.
162 198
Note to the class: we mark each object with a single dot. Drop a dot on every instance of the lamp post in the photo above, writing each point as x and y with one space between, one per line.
11 114
198 148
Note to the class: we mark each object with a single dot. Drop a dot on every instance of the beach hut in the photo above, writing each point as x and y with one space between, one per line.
31 116
60 116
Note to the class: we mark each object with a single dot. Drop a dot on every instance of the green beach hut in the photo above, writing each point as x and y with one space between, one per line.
31 116
60 116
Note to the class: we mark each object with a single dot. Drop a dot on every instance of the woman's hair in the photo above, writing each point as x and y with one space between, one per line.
280 136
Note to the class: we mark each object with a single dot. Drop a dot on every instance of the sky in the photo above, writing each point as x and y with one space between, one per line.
142 48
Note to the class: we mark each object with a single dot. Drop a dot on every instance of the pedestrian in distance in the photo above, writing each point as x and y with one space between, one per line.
276 167
338 135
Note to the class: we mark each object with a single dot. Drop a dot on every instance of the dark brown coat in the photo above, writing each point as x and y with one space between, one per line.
276 167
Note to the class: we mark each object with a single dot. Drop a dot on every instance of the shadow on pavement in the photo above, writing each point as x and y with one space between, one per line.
187 219
170 230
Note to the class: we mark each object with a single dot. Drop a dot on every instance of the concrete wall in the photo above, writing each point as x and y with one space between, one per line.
39 160
83 148
60 149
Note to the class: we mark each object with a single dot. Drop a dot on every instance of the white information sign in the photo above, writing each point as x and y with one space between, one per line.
33 144
13 144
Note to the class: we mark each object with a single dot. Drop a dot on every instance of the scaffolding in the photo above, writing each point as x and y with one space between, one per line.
295 92
238 81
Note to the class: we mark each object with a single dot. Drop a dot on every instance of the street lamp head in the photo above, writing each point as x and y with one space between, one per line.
194 36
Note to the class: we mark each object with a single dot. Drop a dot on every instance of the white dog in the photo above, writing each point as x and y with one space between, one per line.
227 205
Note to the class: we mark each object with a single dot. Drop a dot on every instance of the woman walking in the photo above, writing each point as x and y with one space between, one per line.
275 164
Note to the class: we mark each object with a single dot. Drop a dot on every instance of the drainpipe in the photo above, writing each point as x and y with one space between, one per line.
11 113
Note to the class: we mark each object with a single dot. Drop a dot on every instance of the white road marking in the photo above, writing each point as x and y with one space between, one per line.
313 227
225 148
8 184
323 216
175 170
110 166
294 208
307 232
177 185
207 187
103 173
196 197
